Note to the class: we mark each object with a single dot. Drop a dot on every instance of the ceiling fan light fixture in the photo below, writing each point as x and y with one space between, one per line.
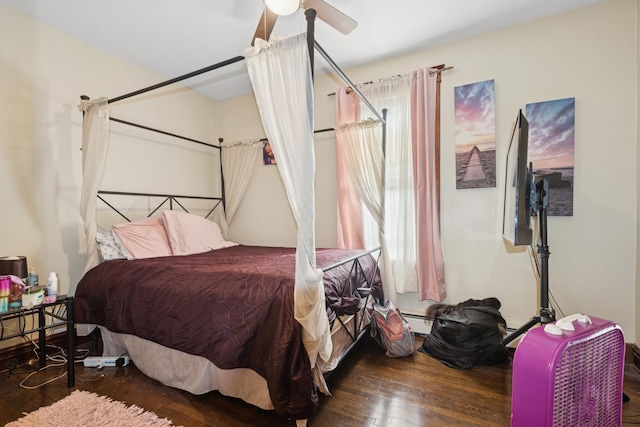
283 7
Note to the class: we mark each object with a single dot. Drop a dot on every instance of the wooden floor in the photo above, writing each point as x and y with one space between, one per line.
368 389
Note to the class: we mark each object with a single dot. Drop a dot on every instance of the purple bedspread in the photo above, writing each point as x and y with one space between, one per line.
233 306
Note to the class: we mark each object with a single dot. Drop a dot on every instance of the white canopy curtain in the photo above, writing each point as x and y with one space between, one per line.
280 74
239 159
95 144
361 148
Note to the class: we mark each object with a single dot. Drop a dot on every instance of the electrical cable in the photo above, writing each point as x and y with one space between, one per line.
57 360
62 375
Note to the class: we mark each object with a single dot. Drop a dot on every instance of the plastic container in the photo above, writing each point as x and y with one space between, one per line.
52 284
32 278
5 286
33 298
5 283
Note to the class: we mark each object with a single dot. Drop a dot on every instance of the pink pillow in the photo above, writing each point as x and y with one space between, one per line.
145 238
192 234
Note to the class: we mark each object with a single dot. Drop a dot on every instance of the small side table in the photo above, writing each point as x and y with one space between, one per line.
60 313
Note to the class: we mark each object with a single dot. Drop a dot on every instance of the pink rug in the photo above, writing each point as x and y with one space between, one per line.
82 408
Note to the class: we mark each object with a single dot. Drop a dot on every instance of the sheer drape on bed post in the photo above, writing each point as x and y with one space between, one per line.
429 256
350 229
362 147
95 144
238 160
280 74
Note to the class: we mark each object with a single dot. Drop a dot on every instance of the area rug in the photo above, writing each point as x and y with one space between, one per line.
82 408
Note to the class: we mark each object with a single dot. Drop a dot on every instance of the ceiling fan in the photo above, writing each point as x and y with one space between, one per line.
325 12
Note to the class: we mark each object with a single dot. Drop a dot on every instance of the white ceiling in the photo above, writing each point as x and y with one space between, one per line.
175 37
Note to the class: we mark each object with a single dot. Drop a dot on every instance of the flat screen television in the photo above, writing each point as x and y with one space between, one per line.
516 227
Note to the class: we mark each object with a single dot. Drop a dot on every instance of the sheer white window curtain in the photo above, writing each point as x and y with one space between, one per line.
280 73
411 224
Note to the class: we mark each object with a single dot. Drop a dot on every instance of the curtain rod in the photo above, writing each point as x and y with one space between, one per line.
177 79
439 68
433 70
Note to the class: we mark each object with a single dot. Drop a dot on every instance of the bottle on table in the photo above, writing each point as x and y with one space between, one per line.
52 284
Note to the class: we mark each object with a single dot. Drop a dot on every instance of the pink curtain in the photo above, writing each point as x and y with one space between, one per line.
350 230
429 257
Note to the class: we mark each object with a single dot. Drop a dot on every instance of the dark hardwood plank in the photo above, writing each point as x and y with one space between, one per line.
368 389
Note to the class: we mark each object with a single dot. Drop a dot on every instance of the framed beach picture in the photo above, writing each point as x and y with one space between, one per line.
551 148
475 135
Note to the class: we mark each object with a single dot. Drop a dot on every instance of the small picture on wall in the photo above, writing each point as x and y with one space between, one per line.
267 153
475 135
551 143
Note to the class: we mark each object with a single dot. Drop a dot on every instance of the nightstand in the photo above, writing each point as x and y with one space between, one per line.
59 313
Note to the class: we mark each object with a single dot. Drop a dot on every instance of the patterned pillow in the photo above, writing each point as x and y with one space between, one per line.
110 247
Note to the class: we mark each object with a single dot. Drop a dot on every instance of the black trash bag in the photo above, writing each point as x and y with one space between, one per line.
467 334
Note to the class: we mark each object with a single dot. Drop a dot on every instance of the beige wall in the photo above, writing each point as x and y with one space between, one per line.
589 54
43 72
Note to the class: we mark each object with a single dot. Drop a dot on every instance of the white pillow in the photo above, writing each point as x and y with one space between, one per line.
192 234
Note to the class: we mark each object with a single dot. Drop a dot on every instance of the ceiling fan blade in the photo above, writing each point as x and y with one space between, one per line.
331 15
265 25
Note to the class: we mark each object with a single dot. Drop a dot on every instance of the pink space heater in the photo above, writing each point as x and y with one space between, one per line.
569 374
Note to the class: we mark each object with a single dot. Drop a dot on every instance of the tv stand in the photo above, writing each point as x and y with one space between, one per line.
539 201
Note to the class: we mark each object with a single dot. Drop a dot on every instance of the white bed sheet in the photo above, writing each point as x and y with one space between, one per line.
198 375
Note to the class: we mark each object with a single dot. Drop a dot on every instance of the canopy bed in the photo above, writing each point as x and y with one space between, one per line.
201 313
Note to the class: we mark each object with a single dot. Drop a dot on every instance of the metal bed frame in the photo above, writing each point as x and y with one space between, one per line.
359 329
356 272
171 198
356 269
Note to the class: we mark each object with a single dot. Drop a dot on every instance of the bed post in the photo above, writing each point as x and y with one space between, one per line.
84 98
384 130
224 204
311 36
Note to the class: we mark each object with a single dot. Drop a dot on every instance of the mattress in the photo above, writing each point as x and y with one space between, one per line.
198 375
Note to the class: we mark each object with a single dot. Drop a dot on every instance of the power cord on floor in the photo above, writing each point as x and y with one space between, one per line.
29 387
81 354
86 377
57 361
